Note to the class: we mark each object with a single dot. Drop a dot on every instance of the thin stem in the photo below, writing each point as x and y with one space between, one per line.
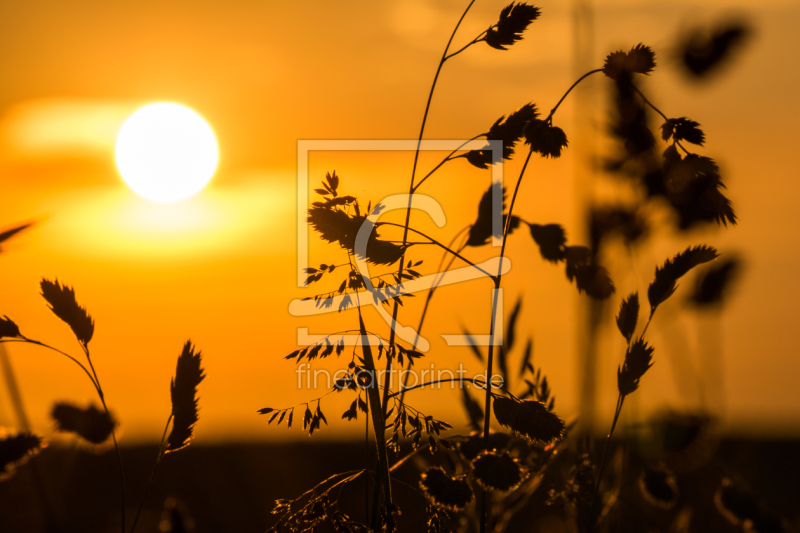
43 345
553 111
475 381
617 412
428 298
355 475
650 319
412 487
479 38
487 409
511 206
443 161
373 395
490 358
379 436
113 432
440 245
152 473
646 101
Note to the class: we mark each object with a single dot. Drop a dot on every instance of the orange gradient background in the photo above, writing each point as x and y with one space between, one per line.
220 267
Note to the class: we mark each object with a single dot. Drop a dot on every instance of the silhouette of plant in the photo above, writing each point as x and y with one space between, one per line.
91 424
485 467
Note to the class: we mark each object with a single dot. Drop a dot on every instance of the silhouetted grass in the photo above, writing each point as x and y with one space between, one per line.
504 474
490 479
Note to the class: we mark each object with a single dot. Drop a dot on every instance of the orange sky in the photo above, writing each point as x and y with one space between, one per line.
220 268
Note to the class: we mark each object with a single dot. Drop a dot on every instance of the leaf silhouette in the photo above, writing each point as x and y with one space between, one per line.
333 182
508 130
529 419
667 275
659 488
639 60
511 334
589 277
614 219
16 450
337 226
473 409
90 423
472 345
445 491
526 357
5 235
638 359
497 472
183 390
594 280
514 20
713 285
576 256
630 125
64 305
481 231
551 239
8 328
545 139
628 316
703 54
473 446
683 129
693 188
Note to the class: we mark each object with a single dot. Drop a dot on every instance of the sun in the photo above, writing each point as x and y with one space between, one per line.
166 152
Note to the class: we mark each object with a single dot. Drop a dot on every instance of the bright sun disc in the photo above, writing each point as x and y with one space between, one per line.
166 152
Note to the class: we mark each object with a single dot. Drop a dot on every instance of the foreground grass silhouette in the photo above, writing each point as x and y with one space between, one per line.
492 479
479 481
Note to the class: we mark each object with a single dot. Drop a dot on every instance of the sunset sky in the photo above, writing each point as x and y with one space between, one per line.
220 268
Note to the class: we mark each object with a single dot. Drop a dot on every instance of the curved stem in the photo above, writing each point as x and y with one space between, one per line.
648 323
366 460
379 436
646 101
428 299
433 88
479 38
553 111
511 205
352 476
475 381
487 418
113 432
440 245
617 412
65 354
443 161
152 473
374 397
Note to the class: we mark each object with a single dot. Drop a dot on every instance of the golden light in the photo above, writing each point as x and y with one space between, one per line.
166 152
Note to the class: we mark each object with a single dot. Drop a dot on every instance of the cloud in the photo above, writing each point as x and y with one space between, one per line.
62 127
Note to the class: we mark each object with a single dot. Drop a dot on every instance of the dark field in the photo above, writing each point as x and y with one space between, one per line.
233 488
